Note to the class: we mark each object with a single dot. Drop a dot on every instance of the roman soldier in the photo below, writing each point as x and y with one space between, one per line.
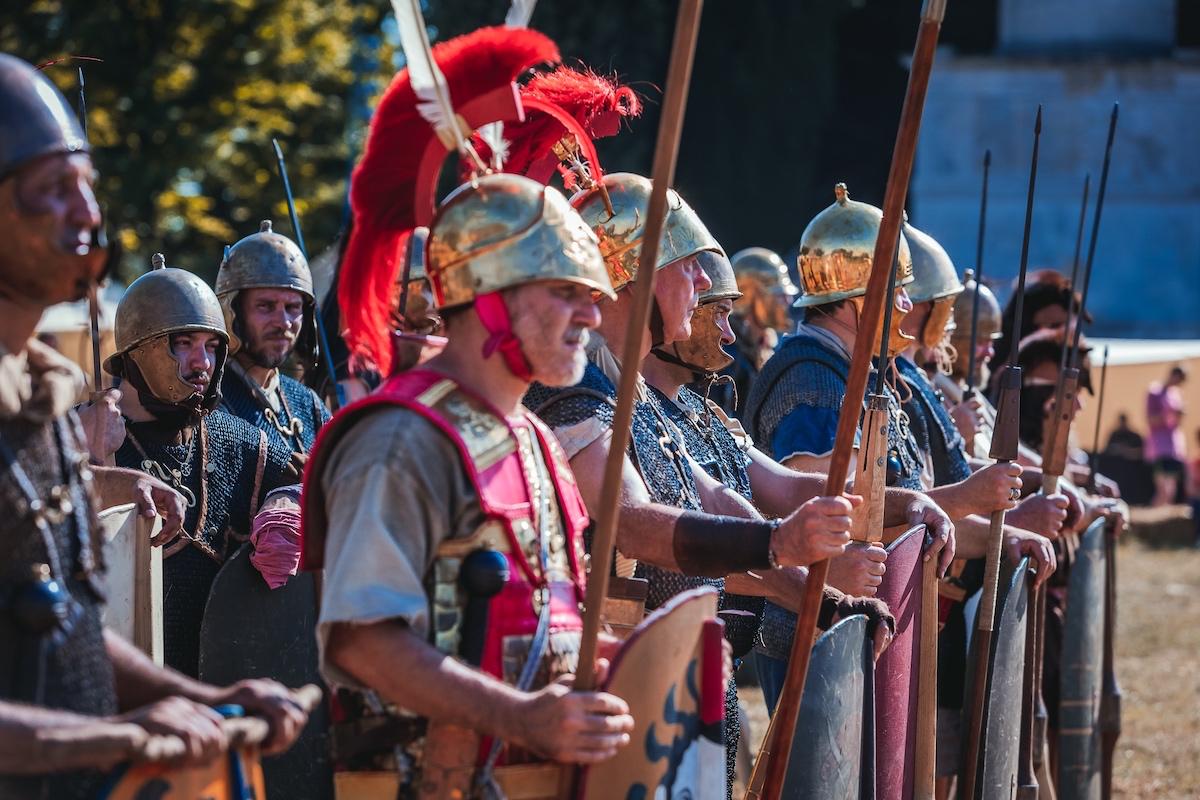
444 514
761 315
974 416
266 295
75 699
171 350
934 293
669 534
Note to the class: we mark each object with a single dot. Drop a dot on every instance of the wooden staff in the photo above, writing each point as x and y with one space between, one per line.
1004 451
771 766
666 149
339 393
969 392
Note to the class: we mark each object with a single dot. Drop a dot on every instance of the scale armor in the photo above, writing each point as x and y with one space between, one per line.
248 465
299 402
932 427
77 674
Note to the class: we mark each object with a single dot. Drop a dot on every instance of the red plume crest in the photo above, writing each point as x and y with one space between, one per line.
383 186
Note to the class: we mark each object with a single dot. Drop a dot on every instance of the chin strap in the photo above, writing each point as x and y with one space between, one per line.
494 316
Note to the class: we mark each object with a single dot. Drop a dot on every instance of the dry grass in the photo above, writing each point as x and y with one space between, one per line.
1158 666
1158 642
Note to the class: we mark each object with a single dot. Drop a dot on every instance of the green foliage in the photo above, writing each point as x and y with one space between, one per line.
184 105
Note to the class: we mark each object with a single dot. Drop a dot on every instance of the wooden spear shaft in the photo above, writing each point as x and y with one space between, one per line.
666 149
774 754
1004 451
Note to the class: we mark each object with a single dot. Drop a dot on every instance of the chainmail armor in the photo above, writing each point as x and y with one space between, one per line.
806 372
300 403
932 426
77 675
228 503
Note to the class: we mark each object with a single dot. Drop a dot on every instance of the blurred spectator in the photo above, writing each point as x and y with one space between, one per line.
1125 442
1194 490
1165 445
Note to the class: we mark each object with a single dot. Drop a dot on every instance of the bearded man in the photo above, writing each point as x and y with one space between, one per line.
266 295
171 350
75 698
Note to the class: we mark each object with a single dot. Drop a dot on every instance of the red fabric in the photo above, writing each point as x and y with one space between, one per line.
382 186
276 543
494 316
494 486
599 104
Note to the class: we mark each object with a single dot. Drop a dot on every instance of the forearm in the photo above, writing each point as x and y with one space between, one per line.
141 682
896 505
386 655
780 490
35 740
115 484
954 500
972 534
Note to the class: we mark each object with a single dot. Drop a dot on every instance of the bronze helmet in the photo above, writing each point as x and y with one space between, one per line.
162 302
935 280
836 250
990 326
616 210
767 289
501 231
263 260
36 122
35 119
702 351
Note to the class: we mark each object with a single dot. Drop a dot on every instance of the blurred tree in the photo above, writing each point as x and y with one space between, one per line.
184 105
786 99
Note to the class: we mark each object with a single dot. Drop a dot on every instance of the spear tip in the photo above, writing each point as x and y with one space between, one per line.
987 158
275 144
1037 125
1116 110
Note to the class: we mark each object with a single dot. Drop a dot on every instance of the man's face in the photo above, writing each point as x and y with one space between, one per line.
551 319
270 321
677 288
1046 374
48 210
196 354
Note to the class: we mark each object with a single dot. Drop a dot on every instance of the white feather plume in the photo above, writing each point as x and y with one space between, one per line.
428 83
519 13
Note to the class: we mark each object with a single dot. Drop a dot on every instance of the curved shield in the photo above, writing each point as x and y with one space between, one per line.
1001 739
1081 679
666 675
827 752
898 669
253 631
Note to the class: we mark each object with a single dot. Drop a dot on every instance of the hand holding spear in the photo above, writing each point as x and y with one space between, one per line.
1004 450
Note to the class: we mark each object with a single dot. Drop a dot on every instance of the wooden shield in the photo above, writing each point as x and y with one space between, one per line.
134 580
827 751
898 669
1002 715
659 672
236 776
253 631
1079 752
